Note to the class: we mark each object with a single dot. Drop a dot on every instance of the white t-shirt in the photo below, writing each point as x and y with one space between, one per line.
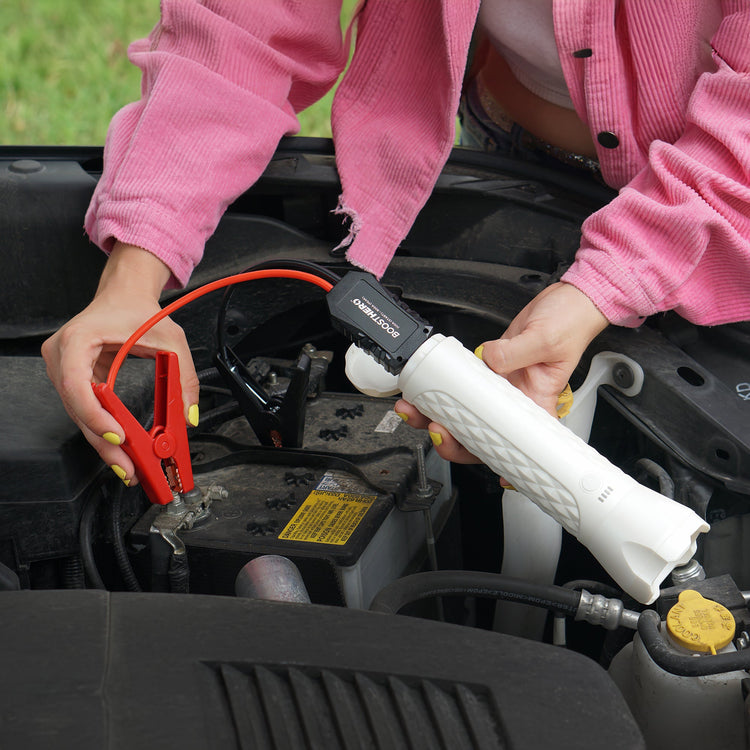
522 31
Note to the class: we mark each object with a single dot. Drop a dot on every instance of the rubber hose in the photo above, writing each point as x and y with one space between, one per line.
85 538
559 637
412 588
121 553
666 483
594 587
73 576
9 580
209 373
219 414
684 665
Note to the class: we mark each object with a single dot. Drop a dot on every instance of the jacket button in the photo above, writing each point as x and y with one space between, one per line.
608 140
585 52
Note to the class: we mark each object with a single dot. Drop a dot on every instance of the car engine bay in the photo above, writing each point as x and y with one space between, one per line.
259 609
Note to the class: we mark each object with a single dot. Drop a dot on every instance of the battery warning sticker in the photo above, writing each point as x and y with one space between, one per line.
327 516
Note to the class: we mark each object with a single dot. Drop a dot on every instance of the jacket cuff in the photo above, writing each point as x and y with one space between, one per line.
610 288
152 230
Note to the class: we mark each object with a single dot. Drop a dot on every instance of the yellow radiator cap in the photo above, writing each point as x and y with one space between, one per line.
700 624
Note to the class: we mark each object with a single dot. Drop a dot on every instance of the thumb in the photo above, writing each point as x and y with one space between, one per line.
190 386
522 360
506 355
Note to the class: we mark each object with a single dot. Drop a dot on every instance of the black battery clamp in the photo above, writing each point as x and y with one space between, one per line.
368 315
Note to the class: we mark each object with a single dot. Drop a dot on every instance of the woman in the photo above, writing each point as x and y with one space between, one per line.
652 95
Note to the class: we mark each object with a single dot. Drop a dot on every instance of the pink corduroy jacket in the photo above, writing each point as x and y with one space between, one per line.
664 86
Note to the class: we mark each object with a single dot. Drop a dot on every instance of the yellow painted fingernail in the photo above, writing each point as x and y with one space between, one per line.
479 351
112 437
565 402
403 416
193 415
437 438
121 473
506 485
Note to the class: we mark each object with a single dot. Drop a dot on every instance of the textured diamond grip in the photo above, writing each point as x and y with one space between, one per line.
636 533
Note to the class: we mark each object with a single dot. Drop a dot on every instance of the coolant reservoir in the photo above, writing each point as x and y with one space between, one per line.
685 712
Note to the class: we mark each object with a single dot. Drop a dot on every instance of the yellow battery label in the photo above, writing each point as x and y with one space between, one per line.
327 517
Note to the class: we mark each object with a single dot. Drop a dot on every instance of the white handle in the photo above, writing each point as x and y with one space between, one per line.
637 534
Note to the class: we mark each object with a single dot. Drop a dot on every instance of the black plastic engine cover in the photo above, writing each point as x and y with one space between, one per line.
93 670
46 465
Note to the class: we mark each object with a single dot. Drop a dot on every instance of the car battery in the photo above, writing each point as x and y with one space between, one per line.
342 507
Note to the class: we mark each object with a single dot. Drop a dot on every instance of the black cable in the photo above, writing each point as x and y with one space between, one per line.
121 553
179 574
208 373
290 264
161 559
219 390
685 665
412 588
218 415
86 533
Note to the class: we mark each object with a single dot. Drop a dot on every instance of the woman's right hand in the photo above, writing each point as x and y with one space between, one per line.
81 352
537 353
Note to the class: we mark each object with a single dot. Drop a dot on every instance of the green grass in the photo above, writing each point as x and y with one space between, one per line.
64 70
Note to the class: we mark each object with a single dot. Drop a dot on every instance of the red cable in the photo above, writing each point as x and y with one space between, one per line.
270 273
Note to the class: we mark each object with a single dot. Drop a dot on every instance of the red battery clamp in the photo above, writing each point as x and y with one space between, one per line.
161 455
